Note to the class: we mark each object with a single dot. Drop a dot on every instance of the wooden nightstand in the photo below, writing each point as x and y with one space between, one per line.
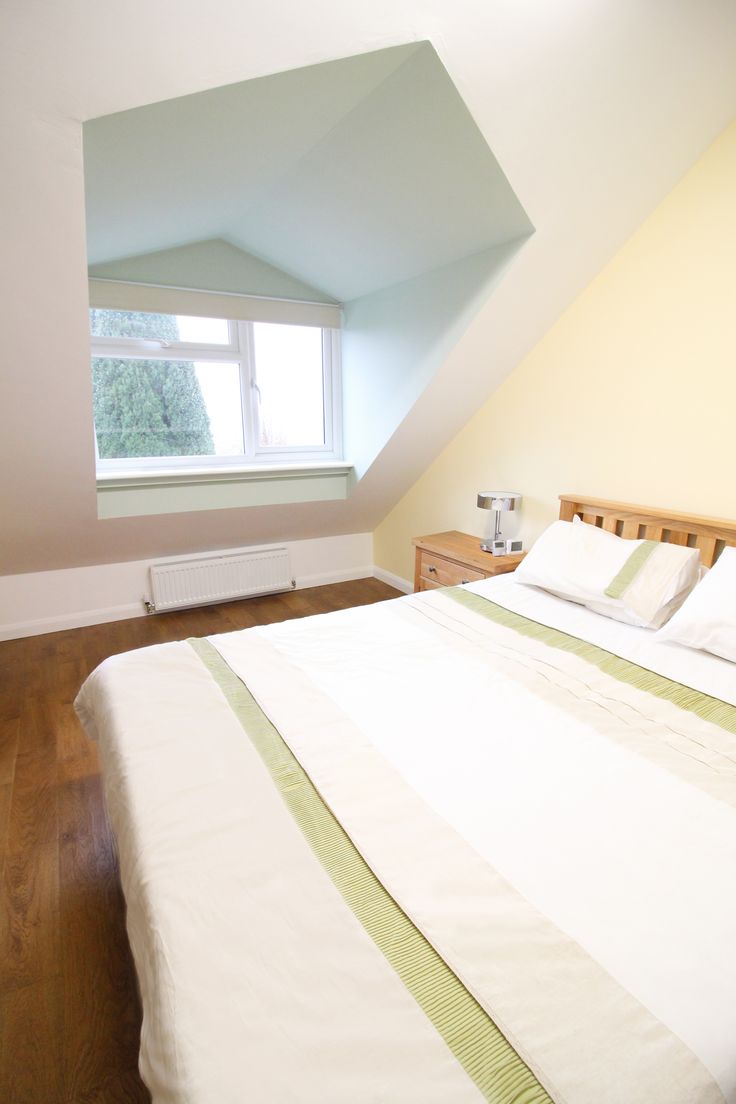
446 559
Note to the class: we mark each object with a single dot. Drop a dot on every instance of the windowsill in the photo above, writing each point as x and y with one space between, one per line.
225 474
175 490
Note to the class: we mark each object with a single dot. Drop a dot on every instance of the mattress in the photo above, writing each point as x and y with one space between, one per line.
472 844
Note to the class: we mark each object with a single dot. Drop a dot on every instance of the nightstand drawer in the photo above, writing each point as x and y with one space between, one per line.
446 559
427 584
439 571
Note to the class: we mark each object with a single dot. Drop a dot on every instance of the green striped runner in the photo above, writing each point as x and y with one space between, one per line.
484 1053
709 709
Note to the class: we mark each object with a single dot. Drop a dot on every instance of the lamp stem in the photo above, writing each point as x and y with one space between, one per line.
497 532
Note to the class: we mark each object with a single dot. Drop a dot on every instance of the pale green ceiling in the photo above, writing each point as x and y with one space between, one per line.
210 266
350 176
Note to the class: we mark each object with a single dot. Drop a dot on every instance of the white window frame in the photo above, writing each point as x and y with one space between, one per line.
240 349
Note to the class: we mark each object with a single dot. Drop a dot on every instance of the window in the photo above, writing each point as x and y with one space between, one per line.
177 391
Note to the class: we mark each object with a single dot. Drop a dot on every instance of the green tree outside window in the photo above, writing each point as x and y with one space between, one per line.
146 407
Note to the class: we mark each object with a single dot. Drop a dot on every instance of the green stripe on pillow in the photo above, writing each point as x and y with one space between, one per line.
631 569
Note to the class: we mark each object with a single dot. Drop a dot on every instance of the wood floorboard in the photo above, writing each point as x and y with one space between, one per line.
31 1045
69 1009
6 794
29 917
9 734
32 820
100 1008
37 728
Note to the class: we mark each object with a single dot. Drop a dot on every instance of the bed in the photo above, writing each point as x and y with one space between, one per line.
472 844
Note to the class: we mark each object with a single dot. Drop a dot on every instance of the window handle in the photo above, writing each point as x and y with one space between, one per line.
147 342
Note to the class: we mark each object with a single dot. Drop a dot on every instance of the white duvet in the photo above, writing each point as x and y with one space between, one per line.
566 842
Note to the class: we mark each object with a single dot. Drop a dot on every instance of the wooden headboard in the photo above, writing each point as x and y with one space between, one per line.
708 534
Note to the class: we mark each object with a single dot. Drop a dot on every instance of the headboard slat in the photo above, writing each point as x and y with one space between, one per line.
678 538
707 534
707 546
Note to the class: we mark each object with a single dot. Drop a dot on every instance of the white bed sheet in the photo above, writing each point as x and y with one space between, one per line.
257 982
704 672
191 802
627 854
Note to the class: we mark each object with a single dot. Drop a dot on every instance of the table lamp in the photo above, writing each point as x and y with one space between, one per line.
498 501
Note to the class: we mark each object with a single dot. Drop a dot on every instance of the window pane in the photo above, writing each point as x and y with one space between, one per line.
166 408
220 386
161 327
206 331
289 375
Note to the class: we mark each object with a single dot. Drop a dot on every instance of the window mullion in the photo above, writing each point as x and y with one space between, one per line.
248 389
136 350
327 389
333 373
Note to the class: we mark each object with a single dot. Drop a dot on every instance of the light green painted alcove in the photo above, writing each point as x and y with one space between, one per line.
363 181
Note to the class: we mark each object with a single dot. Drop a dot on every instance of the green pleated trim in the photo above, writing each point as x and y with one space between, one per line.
484 1053
631 568
709 709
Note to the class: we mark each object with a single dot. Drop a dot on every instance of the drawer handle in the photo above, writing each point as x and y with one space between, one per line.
464 581
432 569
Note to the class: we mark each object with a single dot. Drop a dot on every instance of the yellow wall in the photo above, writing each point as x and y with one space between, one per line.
631 395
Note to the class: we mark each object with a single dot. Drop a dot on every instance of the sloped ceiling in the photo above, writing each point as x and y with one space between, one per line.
214 265
352 176
593 110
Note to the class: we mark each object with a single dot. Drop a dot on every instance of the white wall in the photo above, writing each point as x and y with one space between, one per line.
46 601
593 111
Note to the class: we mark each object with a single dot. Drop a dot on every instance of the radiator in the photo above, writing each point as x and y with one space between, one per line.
203 580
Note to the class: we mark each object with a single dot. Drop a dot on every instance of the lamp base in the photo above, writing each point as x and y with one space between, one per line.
495 547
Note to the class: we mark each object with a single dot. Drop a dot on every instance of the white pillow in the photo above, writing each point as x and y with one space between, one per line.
563 561
639 582
707 620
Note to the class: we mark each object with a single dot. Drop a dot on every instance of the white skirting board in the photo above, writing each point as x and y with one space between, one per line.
404 585
48 601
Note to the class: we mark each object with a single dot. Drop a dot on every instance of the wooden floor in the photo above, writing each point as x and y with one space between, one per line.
69 1013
